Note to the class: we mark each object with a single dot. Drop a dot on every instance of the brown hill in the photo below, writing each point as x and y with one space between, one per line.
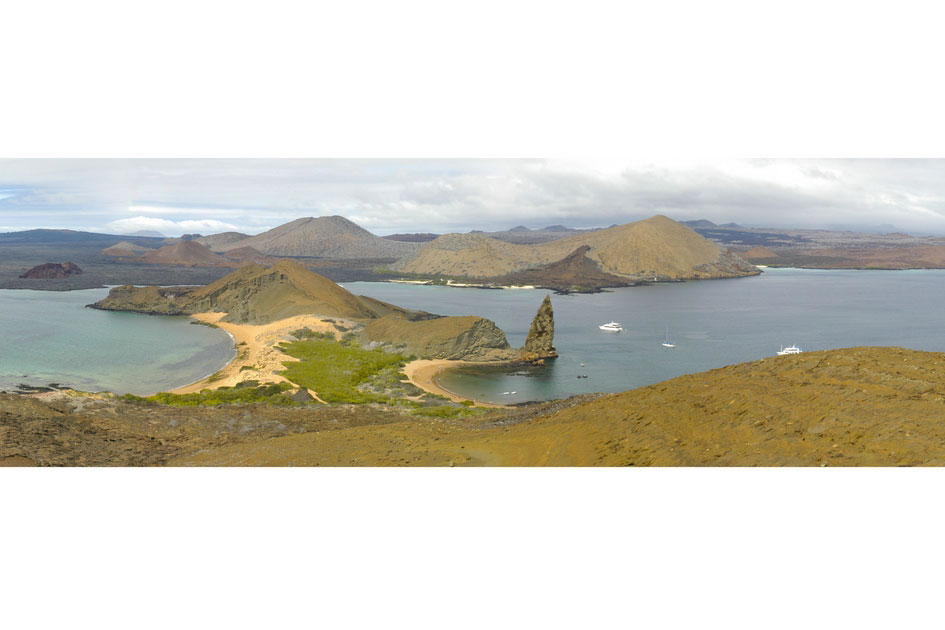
253 294
849 407
758 252
184 253
256 295
574 272
655 247
245 253
125 249
51 271
216 241
323 237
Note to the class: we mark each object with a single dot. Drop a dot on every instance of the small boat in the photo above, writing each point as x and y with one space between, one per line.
611 327
789 350
667 344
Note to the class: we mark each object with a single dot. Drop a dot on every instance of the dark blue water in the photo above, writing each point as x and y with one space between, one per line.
713 323
50 337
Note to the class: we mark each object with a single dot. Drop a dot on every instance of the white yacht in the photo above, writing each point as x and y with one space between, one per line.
611 327
789 350
666 343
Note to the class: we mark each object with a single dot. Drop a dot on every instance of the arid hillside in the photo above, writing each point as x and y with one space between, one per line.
849 407
253 294
323 237
655 247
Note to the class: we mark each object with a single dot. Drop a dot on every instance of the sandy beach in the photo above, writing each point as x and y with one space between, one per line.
423 373
256 350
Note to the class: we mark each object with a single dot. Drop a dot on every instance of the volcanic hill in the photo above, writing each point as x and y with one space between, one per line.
184 253
757 253
655 247
322 237
253 294
125 249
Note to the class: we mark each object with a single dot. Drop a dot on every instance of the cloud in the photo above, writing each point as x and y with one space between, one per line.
458 195
170 228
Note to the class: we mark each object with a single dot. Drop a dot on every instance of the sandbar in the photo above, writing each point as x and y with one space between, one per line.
256 349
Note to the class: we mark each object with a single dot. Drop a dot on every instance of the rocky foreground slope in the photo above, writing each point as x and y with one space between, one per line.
849 407
656 247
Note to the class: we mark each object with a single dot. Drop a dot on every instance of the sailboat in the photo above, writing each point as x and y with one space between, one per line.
666 343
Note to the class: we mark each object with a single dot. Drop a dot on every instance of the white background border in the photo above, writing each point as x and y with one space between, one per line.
455 548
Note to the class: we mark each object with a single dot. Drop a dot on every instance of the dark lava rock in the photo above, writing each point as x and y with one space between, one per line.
50 271
539 345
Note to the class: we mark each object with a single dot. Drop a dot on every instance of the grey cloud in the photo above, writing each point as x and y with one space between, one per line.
447 195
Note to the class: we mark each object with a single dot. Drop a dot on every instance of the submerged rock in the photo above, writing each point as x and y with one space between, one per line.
539 345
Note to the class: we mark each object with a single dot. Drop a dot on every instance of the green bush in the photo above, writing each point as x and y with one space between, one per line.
248 392
335 370
446 411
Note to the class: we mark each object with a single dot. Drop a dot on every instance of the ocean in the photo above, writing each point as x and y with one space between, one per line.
713 323
50 337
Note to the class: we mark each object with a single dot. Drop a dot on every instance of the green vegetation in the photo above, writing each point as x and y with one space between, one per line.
308 333
336 369
245 392
446 411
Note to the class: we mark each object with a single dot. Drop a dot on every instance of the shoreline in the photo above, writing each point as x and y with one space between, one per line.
423 374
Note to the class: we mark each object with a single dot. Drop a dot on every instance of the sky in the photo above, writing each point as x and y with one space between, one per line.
206 196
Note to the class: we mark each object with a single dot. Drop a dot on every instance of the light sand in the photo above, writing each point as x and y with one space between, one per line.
423 373
256 347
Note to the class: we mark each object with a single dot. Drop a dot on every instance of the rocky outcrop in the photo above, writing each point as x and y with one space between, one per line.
539 345
467 338
148 300
52 271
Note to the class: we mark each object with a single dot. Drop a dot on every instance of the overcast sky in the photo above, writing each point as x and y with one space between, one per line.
386 196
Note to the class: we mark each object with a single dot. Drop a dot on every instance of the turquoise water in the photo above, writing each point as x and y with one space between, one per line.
50 337
713 323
